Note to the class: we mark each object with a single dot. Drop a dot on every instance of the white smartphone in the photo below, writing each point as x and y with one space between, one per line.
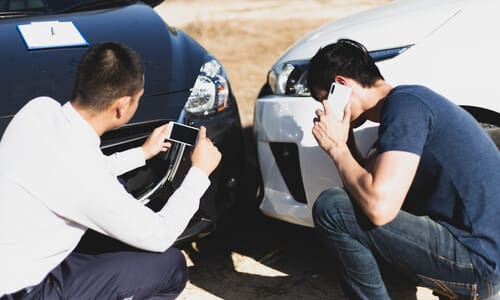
338 97
183 134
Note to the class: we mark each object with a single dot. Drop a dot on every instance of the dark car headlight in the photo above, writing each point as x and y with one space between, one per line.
290 78
210 91
385 54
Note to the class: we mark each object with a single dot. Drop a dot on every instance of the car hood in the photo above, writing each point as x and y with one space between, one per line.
51 72
388 26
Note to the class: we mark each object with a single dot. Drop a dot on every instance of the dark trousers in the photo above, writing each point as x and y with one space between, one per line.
416 246
114 275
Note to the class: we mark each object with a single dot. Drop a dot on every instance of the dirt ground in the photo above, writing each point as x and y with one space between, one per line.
251 256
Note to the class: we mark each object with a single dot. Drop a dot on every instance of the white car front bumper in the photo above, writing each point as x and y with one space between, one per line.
285 142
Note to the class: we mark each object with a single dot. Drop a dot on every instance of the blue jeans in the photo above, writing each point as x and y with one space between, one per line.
416 246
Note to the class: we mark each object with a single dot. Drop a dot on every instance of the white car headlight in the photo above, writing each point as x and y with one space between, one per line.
210 91
289 78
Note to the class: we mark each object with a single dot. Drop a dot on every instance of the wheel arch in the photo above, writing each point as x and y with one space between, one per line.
483 115
489 120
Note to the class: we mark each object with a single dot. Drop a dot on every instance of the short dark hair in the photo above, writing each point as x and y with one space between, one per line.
344 57
107 71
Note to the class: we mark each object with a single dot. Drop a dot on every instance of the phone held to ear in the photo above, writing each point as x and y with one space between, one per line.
183 134
338 97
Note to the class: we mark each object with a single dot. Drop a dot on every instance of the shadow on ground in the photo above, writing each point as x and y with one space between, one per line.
281 260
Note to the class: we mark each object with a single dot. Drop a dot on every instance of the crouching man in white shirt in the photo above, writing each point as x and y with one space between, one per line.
55 183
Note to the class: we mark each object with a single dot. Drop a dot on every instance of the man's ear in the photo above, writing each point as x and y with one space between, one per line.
121 106
341 79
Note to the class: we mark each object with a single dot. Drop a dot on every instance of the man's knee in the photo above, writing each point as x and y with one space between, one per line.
329 206
329 201
174 260
137 274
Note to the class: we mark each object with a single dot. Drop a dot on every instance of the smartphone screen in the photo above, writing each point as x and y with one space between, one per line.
183 134
338 97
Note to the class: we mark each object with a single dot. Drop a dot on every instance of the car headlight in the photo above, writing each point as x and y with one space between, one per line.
210 92
290 78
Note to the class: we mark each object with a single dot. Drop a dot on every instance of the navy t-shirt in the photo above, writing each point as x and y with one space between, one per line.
458 179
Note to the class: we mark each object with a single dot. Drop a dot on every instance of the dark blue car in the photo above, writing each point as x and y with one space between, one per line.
184 83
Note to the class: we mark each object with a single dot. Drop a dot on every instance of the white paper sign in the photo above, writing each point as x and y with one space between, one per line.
53 34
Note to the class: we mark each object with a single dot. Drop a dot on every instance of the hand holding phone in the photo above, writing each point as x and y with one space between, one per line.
328 132
338 97
156 143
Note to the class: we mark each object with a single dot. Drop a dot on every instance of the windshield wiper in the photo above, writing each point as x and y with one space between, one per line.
18 13
95 5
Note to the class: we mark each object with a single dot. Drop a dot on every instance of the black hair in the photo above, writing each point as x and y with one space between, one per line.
107 71
344 57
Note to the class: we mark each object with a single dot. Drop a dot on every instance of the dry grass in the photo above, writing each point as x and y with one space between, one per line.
247 51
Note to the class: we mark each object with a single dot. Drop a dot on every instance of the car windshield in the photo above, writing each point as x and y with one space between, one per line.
26 7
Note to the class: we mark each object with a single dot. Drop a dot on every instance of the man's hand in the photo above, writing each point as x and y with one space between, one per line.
330 133
156 142
205 155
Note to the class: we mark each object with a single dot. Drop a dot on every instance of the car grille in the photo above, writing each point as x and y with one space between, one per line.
145 183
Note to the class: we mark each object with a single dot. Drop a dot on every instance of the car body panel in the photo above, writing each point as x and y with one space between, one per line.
172 62
395 22
289 120
133 25
452 41
460 58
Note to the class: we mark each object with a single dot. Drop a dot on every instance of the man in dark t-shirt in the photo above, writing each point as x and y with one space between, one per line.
427 201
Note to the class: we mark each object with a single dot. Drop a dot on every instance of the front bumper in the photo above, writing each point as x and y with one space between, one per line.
283 130
225 132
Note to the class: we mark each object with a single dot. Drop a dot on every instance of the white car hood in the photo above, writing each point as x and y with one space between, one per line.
369 27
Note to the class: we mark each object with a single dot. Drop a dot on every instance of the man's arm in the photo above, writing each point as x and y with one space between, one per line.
106 207
380 193
115 213
122 162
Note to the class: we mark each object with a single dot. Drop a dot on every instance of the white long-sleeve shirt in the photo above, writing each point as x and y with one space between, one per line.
55 183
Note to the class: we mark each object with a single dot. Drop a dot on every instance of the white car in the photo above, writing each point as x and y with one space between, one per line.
450 46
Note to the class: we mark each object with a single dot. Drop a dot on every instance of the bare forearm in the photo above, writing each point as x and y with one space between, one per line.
379 193
361 185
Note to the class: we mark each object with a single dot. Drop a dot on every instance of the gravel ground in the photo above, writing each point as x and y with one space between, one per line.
260 258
